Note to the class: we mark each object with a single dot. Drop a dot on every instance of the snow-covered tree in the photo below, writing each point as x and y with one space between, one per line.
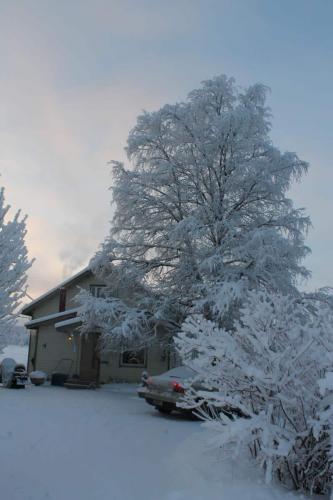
269 372
202 212
122 326
14 334
14 264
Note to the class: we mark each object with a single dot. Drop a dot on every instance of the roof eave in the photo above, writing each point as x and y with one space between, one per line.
63 326
51 318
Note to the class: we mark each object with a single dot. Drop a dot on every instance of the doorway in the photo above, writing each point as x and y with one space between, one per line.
89 362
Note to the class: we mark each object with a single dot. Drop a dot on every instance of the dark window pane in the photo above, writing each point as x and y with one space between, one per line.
97 290
135 358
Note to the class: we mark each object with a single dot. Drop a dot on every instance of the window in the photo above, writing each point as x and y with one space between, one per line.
97 290
133 358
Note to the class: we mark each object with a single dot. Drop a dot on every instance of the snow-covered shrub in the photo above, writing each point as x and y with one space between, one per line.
266 371
14 334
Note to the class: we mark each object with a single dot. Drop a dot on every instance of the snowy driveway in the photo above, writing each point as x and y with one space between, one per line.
64 444
60 444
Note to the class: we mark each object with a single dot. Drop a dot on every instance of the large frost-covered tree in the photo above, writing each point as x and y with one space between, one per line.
201 214
14 263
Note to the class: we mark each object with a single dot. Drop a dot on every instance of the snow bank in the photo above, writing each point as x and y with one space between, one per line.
196 472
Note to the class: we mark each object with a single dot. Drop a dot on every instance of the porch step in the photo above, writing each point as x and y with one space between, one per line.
75 383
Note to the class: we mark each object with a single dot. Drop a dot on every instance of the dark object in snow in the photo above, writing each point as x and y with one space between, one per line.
78 383
61 372
59 379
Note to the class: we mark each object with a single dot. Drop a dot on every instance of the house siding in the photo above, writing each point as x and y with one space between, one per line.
49 306
52 349
111 370
74 289
48 346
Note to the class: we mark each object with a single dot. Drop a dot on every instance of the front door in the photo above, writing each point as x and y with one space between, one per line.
89 365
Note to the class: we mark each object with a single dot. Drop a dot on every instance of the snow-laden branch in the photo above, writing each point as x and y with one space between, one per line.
14 264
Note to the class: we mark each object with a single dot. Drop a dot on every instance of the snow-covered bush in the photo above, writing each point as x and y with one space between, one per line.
14 334
14 264
266 371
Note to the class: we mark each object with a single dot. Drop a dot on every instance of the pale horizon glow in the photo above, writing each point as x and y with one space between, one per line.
76 74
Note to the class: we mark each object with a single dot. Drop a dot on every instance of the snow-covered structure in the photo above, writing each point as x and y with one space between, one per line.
57 344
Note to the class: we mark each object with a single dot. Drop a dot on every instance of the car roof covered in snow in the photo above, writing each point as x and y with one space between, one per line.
181 372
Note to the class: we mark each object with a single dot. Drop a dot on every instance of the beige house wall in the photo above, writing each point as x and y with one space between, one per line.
49 347
54 351
111 369
73 290
51 304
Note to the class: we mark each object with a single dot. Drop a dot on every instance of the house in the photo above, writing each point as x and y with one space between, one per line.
56 344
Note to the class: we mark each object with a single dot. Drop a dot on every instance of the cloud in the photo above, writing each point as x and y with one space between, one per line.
54 153
76 74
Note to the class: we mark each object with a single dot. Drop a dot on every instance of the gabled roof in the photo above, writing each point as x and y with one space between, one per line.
51 317
27 309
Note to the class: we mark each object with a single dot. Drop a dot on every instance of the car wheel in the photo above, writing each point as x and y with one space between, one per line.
163 409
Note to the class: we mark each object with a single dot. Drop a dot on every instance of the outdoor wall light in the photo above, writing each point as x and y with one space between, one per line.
69 338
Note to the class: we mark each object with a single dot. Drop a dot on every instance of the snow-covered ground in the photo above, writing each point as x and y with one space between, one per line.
60 444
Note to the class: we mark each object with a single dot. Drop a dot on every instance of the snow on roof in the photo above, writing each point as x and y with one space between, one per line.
50 317
29 307
68 322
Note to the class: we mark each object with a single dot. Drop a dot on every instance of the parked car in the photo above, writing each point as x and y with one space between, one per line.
13 375
166 390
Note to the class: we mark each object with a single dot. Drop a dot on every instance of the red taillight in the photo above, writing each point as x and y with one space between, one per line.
177 387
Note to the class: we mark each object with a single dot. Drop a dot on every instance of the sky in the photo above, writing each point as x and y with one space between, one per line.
75 74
